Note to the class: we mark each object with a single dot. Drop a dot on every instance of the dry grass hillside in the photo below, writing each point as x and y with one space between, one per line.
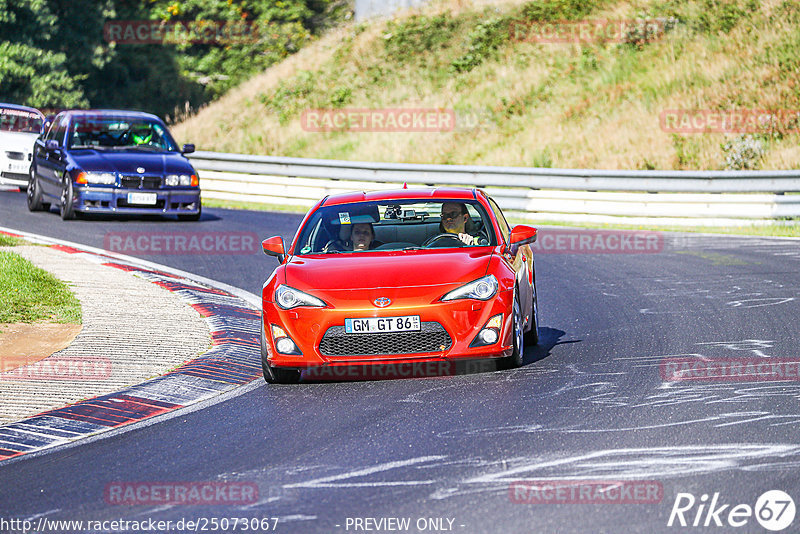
522 102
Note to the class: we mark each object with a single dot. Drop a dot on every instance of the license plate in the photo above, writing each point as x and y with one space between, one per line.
377 325
142 198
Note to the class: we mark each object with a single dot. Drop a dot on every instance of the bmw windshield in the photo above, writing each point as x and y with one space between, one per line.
98 132
396 225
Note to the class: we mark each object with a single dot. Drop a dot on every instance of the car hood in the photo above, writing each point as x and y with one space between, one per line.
396 269
17 141
129 162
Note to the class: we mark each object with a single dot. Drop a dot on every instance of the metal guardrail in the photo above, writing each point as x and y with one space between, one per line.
675 197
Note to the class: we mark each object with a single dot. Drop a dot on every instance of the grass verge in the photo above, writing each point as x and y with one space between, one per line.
29 294
10 241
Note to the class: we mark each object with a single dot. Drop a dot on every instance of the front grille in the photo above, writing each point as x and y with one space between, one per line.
432 337
14 175
140 182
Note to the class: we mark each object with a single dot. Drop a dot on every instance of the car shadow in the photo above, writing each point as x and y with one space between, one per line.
113 217
548 338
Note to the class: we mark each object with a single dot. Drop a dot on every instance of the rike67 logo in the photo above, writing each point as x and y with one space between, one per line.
774 510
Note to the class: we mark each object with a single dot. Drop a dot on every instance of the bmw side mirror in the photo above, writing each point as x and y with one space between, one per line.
52 145
187 149
273 246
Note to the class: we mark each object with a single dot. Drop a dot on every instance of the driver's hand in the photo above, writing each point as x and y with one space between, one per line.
467 239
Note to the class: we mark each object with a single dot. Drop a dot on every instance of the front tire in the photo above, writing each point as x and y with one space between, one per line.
275 375
67 208
193 216
517 337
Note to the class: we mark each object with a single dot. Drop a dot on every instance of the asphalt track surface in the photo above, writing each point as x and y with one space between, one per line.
589 404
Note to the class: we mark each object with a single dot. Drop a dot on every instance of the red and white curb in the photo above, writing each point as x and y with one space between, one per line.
234 360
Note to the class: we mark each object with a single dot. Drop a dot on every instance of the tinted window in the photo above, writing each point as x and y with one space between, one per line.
58 129
119 133
505 229
396 225
16 120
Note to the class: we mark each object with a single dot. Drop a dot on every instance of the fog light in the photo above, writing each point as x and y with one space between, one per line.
285 345
489 335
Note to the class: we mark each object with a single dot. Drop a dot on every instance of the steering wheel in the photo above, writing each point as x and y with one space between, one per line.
438 237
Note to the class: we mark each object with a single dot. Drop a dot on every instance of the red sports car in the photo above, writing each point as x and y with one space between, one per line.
399 277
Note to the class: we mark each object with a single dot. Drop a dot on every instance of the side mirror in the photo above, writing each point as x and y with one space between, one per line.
52 145
273 246
522 234
187 149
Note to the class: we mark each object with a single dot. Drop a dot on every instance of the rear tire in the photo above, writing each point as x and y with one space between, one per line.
532 335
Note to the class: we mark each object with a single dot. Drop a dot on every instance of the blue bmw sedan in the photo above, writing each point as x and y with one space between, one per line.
110 161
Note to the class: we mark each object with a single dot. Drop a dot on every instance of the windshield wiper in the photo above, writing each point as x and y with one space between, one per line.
415 247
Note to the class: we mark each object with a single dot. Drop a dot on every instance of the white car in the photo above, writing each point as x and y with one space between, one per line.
19 128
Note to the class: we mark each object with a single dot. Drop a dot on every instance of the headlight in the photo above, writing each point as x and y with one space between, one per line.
480 289
102 178
181 179
288 297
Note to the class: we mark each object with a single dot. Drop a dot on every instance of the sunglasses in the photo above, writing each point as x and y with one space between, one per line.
451 215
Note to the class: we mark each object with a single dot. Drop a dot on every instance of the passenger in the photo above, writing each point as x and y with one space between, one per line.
456 220
362 237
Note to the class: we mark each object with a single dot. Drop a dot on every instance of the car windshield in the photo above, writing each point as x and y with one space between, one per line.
396 225
16 120
119 133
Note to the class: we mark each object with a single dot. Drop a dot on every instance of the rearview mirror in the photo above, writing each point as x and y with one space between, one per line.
273 246
187 149
522 234
52 144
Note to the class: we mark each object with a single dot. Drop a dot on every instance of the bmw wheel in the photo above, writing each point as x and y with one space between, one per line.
67 208
34 194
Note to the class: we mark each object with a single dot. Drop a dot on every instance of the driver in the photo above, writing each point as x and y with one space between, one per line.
455 219
141 134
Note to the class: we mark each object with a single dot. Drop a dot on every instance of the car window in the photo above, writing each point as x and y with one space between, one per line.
505 229
19 120
395 225
58 129
108 132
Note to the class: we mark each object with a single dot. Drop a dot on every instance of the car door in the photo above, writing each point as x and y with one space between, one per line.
519 257
51 161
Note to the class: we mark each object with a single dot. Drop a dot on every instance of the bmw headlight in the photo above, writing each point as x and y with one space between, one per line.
288 297
480 289
98 178
180 179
